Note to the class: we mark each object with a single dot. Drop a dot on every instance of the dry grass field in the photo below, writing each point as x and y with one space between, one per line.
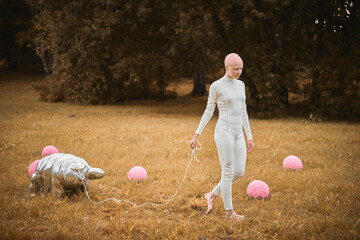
322 201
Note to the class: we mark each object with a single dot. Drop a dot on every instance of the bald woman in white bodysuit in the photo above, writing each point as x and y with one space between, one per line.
229 94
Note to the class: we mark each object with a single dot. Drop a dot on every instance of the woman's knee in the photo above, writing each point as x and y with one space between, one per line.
227 176
238 174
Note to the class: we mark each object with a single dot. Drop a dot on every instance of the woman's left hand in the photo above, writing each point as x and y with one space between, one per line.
194 140
250 144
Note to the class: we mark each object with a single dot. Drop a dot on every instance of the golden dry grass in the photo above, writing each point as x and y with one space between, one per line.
319 202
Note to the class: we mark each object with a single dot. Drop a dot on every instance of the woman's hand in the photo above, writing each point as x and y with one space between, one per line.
194 140
250 144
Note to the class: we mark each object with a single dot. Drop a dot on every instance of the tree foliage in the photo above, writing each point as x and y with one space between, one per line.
334 42
15 29
105 50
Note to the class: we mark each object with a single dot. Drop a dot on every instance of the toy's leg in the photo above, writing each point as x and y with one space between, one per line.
81 189
34 188
47 182
34 185
57 190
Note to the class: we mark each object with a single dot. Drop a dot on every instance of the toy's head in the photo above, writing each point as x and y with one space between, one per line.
95 173
77 172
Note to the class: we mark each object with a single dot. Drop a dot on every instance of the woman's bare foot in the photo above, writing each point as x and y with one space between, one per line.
210 198
231 214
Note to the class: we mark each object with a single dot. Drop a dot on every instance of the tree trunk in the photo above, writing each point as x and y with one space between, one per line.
284 94
161 83
315 97
10 56
253 92
46 58
199 88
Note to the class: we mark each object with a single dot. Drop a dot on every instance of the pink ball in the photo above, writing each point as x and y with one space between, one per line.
48 150
32 167
137 173
292 163
258 189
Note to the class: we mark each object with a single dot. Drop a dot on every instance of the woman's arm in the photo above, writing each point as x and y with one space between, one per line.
208 113
246 125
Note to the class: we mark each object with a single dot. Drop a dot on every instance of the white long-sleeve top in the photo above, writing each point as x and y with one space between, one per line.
229 95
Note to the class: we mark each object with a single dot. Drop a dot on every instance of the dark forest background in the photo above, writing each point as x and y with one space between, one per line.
104 51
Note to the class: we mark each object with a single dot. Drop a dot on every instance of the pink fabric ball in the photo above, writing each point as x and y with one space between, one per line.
292 163
137 173
258 189
32 167
48 150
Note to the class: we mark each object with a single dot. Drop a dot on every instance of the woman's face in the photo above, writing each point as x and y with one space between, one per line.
234 69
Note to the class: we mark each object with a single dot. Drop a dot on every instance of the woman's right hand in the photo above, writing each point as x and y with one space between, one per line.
194 140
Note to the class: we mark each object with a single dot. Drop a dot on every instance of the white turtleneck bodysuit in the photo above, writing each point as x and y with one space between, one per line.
229 95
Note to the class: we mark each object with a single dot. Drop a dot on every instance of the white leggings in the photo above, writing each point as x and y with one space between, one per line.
232 154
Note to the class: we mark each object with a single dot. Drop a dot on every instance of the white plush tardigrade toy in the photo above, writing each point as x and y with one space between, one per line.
59 173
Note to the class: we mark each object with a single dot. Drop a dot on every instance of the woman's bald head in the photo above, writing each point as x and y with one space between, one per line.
233 65
232 59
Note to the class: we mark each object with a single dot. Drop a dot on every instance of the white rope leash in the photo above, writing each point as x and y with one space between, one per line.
148 203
